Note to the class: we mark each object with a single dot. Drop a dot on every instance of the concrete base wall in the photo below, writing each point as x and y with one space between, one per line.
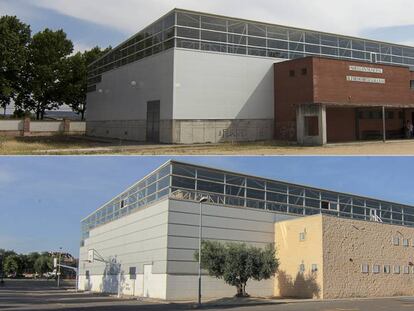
304 111
185 131
216 131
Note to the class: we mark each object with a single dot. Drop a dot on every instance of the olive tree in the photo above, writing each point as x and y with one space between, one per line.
236 263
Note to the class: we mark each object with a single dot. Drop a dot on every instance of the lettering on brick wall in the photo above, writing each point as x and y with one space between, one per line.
365 80
366 69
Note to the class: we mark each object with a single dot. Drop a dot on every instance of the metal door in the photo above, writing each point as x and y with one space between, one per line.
147 280
153 121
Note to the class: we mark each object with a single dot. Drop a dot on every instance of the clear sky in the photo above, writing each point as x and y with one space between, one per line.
108 22
43 199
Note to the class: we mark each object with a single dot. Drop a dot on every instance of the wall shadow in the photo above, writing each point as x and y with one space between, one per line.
304 286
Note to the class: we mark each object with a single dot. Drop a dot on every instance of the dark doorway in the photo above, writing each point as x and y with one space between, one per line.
153 121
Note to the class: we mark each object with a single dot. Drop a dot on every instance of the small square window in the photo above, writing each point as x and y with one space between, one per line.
406 243
312 127
302 236
87 275
291 73
387 269
376 269
304 71
365 268
302 268
314 268
397 269
132 273
122 203
406 270
396 241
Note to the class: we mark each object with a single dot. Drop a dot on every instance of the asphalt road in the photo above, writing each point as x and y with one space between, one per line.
39 295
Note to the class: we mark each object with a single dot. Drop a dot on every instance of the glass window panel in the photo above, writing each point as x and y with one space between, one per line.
257 52
271 186
396 50
210 175
295 200
277 32
408 52
312 203
386 49
277 54
312 37
277 207
310 193
235 180
237 49
190 20
187 44
397 59
237 39
163 183
359 202
257 41
168 44
275 44
235 201
255 194
358 45
210 186
359 210
151 179
329 51
169 21
213 36
327 196
183 170
163 193
164 171
316 49
188 33
358 55
295 35
181 182
311 211
152 189
215 47
329 40
345 53
255 204
296 190
344 43
255 183
236 191
257 30
276 197
296 46
345 208
372 47
237 27
296 210
213 23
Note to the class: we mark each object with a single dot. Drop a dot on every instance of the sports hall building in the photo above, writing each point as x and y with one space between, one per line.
329 244
193 77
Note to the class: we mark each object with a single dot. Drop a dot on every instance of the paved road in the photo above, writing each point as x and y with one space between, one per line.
30 295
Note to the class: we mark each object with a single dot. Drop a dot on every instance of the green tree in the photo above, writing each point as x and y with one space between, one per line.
14 40
76 78
237 263
12 265
43 264
48 52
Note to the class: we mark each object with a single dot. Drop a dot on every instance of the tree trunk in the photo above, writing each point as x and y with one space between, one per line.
37 114
239 290
83 114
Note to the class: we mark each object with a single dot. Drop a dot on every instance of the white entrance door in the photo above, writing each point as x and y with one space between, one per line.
147 279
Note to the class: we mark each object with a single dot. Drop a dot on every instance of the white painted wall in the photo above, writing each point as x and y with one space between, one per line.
11 125
76 126
225 224
119 100
46 126
222 86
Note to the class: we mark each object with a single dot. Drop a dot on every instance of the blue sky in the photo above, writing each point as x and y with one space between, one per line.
44 198
107 22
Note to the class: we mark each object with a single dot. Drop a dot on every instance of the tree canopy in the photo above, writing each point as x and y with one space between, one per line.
237 263
40 73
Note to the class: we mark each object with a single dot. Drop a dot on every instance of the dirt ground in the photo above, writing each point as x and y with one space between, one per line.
73 145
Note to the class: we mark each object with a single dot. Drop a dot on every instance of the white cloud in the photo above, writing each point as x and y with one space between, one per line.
345 17
80 47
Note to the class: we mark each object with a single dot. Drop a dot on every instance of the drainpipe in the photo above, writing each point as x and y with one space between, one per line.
384 132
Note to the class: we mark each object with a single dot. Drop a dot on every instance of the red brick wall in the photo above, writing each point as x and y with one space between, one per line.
340 124
331 85
290 91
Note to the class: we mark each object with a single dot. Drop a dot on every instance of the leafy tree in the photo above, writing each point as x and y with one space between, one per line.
77 83
236 263
48 52
43 264
14 40
12 265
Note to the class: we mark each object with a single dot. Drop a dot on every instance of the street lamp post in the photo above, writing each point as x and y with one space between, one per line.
200 235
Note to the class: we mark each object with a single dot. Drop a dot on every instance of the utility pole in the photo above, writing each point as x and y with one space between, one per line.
58 267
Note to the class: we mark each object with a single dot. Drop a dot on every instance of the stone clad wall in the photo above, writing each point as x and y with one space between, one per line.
350 243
